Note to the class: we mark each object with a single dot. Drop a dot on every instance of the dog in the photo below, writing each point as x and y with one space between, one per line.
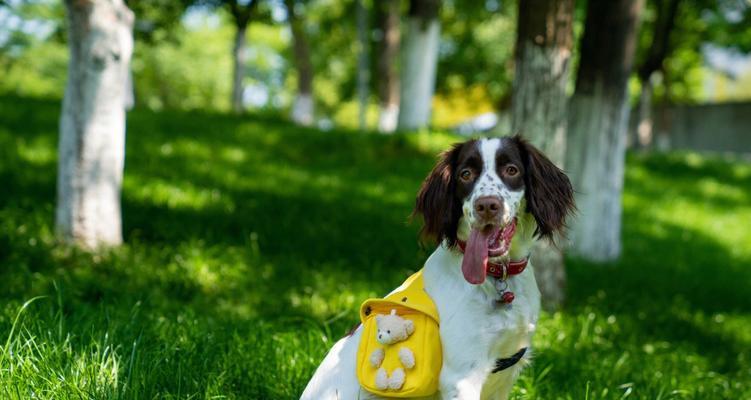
485 203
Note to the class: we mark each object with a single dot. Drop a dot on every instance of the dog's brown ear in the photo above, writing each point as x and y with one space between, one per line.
549 195
436 199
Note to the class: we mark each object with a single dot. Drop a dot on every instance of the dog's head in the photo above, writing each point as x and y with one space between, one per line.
481 192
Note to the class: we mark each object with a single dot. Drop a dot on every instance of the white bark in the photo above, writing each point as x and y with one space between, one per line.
550 274
539 102
239 54
598 126
644 127
597 139
418 73
539 114
92 123
363 64
387 118
302 109
388 12
130 96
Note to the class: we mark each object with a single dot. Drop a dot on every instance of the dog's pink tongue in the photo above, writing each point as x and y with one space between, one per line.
475 257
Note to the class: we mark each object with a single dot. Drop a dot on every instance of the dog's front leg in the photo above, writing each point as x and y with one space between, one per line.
464 386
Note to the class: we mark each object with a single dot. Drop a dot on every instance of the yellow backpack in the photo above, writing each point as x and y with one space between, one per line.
409 301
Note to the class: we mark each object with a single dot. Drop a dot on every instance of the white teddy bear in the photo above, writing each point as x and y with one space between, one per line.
392 329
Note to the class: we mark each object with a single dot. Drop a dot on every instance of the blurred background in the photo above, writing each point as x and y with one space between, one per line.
198 195
183 59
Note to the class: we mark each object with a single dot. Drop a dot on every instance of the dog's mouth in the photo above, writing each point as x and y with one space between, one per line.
499 240
483 243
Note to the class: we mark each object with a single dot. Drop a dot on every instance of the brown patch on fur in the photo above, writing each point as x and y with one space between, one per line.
437 202
548 191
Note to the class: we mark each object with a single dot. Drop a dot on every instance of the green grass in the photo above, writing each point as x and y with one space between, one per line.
250 243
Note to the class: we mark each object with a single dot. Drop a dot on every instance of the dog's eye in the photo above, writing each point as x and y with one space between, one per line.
466 175
511 170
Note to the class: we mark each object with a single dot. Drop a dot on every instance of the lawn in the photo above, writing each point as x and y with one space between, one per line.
250 244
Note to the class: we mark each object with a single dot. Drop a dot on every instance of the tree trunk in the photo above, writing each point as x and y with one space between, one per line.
597 127
542 58
644 121
419 64
653 62
303 108
238 64
363 63
388 51
130 95
92 123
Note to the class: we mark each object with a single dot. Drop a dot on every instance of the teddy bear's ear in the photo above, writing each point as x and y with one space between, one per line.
410 326
379 317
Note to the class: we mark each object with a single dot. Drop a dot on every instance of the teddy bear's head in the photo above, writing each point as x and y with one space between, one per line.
393 328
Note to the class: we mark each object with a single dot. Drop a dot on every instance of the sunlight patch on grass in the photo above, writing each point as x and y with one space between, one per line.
37 151
176 195
432 142
711 188
317 299
233 154
239 293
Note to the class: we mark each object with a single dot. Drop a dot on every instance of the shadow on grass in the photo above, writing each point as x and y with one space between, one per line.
666 288
686 264
280 198
249 244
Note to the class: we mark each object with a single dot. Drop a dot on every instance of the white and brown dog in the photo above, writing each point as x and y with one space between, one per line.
485 202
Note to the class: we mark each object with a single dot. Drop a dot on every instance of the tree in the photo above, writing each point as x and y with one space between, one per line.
597 127
477 52
302 109
363 63
419 63
158 20
658 51
387 15
542 56
92 123
242 14
33 62
673 37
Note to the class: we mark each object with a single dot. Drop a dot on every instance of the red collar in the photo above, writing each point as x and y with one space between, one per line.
501 270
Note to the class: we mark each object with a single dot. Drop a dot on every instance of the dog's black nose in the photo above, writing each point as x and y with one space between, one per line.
488 207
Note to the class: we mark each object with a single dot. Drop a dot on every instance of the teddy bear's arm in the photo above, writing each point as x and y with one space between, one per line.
407 357
376 357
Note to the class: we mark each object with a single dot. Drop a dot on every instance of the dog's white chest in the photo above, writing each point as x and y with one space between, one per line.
475 330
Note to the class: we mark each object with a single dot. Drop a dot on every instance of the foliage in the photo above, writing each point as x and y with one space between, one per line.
477 45
698 22
39 71
184 74
33 56
729 21
474 56
250 244
722 88
184 66
332 32
157 20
